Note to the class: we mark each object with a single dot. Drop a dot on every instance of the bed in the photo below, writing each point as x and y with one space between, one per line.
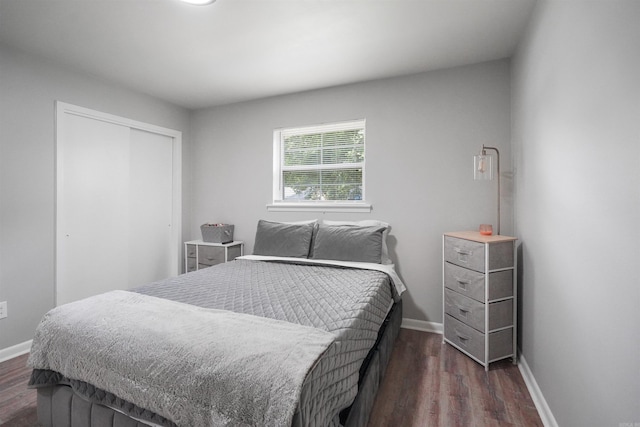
297 334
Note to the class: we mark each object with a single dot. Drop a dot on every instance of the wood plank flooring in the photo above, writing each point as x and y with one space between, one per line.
426 384
17 402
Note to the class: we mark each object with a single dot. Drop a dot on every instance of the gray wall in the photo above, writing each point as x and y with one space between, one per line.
422 133
28 89
576 139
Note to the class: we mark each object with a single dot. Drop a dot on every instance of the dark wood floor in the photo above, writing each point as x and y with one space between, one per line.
426 384
17 402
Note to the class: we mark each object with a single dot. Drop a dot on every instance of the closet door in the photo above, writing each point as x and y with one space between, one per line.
115 205
150 206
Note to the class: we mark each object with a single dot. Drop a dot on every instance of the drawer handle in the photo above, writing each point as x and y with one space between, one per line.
462 284
461 251
463 338
463 311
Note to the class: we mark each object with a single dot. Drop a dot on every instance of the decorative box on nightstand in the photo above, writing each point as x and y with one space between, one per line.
199 254
480 295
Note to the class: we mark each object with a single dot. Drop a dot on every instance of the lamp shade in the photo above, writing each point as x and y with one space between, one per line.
483 170
482 166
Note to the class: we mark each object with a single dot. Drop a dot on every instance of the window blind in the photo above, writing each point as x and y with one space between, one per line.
322 163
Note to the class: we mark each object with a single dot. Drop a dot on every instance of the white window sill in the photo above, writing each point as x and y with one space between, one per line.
320 207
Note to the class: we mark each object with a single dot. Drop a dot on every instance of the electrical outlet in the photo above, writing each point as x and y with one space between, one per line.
3 309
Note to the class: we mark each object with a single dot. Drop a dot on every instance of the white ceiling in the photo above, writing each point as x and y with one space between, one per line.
236 50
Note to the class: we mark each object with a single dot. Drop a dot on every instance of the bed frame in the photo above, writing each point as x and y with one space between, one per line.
59 405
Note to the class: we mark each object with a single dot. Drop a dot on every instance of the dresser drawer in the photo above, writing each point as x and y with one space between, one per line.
471 312
464 253
464 281
472 341
191 251
471 283
464 309
210 255
465 337
191 264
470 254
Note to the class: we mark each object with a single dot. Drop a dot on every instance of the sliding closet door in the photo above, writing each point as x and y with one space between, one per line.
116 205
150 207
92 209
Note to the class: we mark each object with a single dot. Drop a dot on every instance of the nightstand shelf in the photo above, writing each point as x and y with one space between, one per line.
199 254
480 295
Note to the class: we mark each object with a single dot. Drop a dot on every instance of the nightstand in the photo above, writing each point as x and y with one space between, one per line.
480 295
199 254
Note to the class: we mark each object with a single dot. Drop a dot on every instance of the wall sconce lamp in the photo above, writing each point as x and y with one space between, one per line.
483 170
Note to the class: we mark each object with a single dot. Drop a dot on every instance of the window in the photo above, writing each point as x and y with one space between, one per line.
320 167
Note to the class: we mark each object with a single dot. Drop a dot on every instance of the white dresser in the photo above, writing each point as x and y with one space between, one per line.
480 295
199 254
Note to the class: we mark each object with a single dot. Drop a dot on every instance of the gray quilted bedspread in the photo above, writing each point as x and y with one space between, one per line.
197 366
350 303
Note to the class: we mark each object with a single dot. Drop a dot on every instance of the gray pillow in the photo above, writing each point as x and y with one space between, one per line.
348 243
282 239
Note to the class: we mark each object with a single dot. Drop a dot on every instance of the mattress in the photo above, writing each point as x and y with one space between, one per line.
350 303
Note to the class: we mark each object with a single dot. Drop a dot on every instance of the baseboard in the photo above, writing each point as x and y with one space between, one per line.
536 394
15 351
422 325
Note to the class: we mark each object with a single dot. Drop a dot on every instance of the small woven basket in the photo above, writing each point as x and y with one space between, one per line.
217 233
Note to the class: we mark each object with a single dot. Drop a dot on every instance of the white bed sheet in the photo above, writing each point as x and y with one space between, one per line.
385 268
